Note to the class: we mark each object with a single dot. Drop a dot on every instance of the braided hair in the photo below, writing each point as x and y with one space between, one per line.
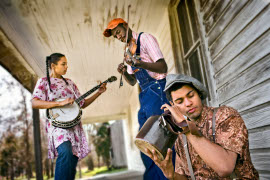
53 58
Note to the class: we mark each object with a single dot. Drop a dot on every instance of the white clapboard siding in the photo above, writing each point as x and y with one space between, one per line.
230 26
259 138
249 56
224 20
251 97
249 34
246 79
211 17
257 116
263 161
238 36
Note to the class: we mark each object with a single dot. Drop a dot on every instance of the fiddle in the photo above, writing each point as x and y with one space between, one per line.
130 53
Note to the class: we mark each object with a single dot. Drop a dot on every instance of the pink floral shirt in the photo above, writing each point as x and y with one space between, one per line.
56 136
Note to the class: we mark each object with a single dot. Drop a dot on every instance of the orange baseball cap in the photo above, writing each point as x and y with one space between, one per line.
111 25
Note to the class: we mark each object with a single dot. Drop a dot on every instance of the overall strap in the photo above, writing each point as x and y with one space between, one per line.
188 157
138 50
214 124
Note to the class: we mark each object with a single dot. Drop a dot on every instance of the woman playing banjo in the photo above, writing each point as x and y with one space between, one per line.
70 144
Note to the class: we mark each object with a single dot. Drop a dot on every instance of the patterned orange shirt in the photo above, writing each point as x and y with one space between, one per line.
231 134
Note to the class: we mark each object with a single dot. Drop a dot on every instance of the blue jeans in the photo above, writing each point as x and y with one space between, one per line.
65 168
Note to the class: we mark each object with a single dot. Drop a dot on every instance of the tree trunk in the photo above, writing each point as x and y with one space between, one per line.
26 138
99 161
37 144
80 170
52 168
47 168
12 170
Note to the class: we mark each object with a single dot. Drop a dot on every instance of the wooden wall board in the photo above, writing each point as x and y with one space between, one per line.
251 76
240 20
247 36
253 53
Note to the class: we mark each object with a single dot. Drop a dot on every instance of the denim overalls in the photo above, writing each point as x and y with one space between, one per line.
151 99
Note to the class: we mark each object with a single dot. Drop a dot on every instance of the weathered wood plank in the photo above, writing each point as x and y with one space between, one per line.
209 5
254 30
246 79
260 158
248 57
264 175
227 17
253 97
209 8
246 15
258 116
260 139
203 4
210 19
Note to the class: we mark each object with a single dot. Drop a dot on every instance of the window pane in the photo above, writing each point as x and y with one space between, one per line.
184 26
192 15
194 66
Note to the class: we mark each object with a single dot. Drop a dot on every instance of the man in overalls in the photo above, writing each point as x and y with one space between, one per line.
150 72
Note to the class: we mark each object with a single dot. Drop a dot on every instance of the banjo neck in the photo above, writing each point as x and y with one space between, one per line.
79 99
69 116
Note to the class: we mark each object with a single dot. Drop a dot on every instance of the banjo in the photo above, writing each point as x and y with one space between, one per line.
69 116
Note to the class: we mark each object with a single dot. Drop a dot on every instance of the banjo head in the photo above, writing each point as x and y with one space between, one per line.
66 113
144 144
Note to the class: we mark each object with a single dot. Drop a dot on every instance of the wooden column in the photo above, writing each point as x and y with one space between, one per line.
37 141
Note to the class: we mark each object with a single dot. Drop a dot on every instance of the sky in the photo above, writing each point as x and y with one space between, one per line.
10 96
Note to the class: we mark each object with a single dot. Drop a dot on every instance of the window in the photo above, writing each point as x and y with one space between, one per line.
190 40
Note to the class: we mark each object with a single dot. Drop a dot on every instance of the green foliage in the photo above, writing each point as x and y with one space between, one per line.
8 155
13 156
90 163
102 143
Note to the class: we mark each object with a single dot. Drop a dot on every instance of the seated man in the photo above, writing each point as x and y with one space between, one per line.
220 151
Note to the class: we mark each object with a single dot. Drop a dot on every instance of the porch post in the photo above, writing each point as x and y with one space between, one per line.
37 141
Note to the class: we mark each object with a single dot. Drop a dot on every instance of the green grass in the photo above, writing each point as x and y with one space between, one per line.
101 170
85 173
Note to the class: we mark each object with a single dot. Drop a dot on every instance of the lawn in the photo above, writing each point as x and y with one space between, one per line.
101 170
85 173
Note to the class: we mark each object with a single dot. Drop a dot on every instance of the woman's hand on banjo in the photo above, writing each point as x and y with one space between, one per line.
67 101
102 88
166 165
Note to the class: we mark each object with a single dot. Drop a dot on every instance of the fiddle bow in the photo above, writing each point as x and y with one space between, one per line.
121 79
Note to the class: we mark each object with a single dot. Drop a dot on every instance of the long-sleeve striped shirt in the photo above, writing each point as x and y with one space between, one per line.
150 52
